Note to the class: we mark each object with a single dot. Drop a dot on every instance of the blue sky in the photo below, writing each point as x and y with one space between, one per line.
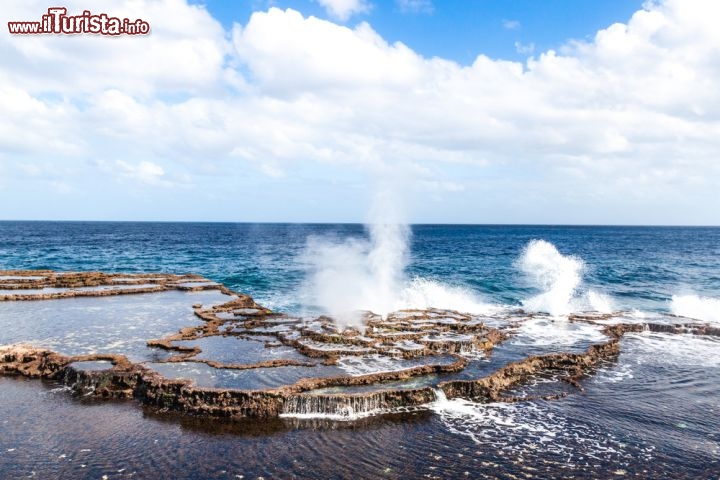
460 30
561 112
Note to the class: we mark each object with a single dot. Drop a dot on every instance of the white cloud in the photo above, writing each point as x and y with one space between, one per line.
185 50
415 6
511 24
144 172
524 48
344 9
624 123
287 52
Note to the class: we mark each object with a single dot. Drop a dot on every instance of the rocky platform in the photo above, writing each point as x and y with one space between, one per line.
414 343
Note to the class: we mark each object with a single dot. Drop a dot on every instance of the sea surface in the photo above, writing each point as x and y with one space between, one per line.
655 413
638 267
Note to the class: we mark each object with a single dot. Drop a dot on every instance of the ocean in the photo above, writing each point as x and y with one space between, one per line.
637 267
655 413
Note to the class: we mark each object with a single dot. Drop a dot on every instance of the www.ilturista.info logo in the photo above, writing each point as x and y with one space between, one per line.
57 21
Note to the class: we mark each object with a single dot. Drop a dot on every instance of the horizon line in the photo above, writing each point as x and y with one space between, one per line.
366 223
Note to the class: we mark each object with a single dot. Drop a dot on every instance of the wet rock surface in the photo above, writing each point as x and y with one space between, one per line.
49 285
405 345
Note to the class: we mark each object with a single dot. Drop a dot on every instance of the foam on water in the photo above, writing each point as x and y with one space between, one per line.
599 302
422 293
559 277
544 331
343 415
660 349
693 306
530 426
356 366
637 317
354 275
663 348
363 365
616 374
347 415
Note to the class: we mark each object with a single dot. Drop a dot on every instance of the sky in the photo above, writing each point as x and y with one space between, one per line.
480 112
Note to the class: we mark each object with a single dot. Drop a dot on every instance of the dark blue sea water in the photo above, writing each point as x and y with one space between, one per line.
637 267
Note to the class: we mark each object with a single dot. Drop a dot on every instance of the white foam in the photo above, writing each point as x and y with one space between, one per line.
637 316
693 306
616 374
559 276
530 426
349 276
672 349
484 421
422 293
356 366
600 302
354 275
56 390
347 416
556 332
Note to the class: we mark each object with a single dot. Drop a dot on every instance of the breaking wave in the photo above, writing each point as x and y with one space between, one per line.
347 277
693 306
422 293
560 279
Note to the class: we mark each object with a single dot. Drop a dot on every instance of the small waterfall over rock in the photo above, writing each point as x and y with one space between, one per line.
79 381
351 406
440 396
334 405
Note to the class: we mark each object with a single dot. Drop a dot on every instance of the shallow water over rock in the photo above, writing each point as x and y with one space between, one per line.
109 324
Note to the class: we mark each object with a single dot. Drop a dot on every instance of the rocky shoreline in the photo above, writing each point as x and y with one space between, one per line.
442 338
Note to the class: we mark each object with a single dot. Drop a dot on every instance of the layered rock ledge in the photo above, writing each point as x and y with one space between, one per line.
417 344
